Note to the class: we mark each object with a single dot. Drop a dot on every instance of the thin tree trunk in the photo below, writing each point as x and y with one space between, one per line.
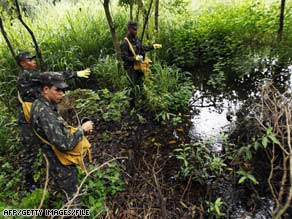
112 28
37 49
281 21
6 38
131 9
156 28
146 20
137 14
141 10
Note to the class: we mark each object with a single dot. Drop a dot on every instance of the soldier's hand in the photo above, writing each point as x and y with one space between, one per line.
84 73
157 46
139 58
87 126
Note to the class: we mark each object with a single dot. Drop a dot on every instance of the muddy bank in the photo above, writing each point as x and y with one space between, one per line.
149 173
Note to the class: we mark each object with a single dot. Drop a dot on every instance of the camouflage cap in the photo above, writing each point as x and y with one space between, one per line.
53 78
133 25
24 55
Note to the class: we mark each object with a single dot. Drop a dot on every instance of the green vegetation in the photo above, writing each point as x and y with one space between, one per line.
225 47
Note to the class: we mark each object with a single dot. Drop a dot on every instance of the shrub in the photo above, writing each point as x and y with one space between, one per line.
168 90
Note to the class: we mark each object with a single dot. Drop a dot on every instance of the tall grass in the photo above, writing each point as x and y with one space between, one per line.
71 36
109 74
167 89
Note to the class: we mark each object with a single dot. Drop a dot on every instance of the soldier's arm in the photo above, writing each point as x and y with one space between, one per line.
68 75
57 134
30 76
147 48
125 52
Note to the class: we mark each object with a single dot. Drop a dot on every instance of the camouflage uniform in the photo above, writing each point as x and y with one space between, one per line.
29 90
136 77
49 124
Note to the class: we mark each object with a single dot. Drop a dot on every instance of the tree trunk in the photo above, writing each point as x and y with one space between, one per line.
6 38
131 9
112 28
137 14
140 9
281 21
37 49
146 20
156 28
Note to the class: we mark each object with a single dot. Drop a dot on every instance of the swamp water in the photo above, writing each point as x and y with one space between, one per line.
211 122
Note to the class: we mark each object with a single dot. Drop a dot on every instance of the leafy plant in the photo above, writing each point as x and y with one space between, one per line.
215 208
100 186
198 162
217 165
101 104
109 74
259 143
166 93
246 176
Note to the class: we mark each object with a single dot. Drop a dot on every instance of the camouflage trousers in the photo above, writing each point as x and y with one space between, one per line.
30 150
63 179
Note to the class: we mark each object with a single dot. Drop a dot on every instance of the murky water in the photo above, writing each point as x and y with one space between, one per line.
210 122
212 119
265 212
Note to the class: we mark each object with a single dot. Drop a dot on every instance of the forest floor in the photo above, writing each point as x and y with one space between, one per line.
149 172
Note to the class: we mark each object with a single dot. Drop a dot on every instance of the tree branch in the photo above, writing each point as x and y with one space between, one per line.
37 49
106 7
146 20
6 38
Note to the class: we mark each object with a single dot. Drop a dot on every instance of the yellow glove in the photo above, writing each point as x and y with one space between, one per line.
157 46
139 58
84 73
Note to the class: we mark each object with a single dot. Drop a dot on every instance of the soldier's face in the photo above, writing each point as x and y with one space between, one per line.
133 31
28 64
53 94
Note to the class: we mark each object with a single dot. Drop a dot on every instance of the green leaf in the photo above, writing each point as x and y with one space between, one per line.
265 141
242 179
252 178
217 210
274 139
248 154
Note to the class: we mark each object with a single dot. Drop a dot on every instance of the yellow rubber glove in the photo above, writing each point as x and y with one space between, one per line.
157 46
139 58
84 73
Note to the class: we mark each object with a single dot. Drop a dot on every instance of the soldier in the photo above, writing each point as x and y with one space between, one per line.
135 76
48 123
28 87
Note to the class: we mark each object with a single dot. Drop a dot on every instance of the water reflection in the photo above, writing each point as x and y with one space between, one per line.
211 120
212 117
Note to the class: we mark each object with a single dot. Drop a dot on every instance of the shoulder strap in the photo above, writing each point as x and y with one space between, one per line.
131 47
19 98
42 139
25 107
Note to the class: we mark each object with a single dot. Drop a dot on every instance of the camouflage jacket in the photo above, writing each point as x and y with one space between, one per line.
29 88
49 124
127 55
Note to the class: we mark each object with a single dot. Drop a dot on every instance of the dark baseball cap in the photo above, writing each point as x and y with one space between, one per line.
133 25
24 55
53 78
